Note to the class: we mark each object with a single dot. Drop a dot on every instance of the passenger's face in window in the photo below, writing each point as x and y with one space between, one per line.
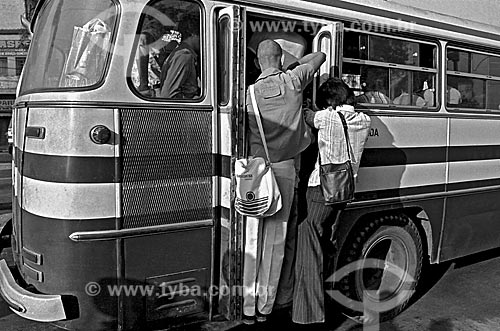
465 91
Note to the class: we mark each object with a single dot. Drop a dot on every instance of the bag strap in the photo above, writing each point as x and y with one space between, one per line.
344 124
259 121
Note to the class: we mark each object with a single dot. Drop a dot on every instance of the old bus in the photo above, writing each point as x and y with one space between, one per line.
123 196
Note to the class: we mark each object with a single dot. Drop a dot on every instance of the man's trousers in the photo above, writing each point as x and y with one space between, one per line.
265 247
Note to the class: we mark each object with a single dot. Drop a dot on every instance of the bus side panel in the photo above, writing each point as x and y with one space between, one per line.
68 184
472 219
178 276
433 209
167 171
405 158
81 272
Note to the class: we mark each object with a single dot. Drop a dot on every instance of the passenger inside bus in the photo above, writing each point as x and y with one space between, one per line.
400 86
462 92
468 98
166 59
157 39
375 87
180 71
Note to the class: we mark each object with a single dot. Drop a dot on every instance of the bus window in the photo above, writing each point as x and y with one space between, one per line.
63 57
471 92
167 59
404 76
472 80
224 63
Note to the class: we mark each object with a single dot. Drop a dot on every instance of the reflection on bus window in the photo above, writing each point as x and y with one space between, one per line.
410 80
72 45
167 59
473 80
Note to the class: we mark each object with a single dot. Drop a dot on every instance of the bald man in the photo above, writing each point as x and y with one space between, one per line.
279 98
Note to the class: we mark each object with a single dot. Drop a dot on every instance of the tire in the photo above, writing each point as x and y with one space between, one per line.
368 255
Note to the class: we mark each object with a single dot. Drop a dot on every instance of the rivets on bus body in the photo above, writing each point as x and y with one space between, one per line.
100 134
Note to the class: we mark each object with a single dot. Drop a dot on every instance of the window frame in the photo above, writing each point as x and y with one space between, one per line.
483 77
23 90
407 67
203 56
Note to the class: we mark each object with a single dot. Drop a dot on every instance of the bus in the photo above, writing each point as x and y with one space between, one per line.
123 196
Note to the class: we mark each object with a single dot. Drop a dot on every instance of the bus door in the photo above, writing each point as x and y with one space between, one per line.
329 40
167 199
231 125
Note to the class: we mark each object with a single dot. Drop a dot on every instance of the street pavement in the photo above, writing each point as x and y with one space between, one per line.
459 296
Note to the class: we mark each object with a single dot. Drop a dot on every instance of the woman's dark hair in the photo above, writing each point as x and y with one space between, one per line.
334 92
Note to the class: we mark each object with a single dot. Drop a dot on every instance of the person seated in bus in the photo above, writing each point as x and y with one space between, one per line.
373 86
316 234
279 97
405 99
150 56
467 98
453 96
427 92
180 71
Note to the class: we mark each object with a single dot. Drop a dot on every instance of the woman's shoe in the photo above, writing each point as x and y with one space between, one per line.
248 320
260 317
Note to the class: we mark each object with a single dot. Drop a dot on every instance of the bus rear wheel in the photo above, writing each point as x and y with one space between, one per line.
383 259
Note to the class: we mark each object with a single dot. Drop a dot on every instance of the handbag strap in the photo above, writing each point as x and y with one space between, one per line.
259 121
344 124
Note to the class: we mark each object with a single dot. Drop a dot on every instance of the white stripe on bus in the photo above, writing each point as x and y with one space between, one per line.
474 170
475 131
225 133
393 177
225 192
69 201
402 132
67 131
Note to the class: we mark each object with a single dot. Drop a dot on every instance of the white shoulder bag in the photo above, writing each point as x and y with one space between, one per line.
257 192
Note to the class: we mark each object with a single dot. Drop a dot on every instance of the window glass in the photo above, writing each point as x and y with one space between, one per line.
19 65
483 64
167 60
476 87
4 70
465 92
458 60
324 70
70 45
474 63
388 50
384 86
424 86
493 95
394 51
224 60
352 47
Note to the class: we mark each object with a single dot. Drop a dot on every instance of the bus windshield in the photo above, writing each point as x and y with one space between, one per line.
70 45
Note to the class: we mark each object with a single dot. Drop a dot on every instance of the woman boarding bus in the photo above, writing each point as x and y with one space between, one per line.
123 194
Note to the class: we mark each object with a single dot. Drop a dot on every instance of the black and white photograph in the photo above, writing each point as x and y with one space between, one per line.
249 165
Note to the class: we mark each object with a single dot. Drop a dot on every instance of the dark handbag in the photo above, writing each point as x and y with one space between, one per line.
337 179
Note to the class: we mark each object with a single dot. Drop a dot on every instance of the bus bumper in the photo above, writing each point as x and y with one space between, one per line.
37 307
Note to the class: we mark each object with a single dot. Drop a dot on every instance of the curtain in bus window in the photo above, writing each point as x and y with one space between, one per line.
87 54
